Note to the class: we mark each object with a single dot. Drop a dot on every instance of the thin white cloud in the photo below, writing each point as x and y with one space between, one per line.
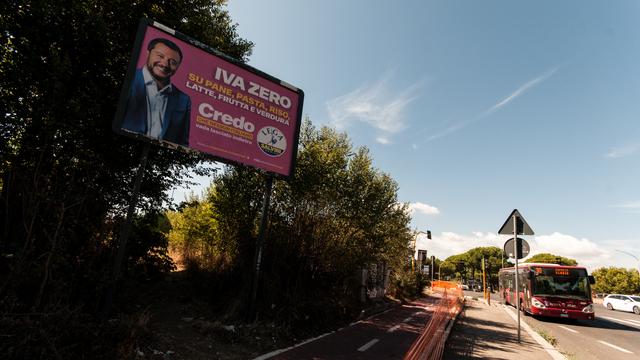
623 151
497 106
383 140
376 105
422 208
628 208
629 205
524 87
446 244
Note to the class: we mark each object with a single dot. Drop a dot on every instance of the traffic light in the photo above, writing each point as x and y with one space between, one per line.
429 234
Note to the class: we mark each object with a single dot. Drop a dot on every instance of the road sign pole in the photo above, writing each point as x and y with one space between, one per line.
123 237
260 243
515 252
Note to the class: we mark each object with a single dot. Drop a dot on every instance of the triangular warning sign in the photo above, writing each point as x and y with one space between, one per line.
522 227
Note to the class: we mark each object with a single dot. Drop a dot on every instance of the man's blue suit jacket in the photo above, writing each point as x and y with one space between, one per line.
175 124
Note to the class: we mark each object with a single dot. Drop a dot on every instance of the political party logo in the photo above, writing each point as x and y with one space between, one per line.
272 141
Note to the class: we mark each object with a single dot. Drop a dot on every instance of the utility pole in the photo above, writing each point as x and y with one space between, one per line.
433 269
515 252
484 282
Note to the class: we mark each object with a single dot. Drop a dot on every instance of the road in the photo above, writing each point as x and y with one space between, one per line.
612 335
384 336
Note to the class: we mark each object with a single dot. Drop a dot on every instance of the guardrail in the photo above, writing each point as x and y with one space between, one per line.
430 344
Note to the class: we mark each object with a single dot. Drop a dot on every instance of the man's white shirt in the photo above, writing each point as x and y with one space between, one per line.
156 104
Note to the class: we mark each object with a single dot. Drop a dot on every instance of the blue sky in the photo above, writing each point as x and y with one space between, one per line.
476 108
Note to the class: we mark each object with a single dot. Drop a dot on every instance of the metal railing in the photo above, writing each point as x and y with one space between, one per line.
430 344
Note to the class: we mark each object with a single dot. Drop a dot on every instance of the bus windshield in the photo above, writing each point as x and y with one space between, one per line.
571 286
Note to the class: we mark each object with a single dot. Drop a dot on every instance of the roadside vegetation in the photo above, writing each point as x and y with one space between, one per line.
615 280
547 336
337 217
467 267
66 180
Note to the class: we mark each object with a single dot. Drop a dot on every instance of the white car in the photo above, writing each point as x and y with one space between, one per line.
622 302
464 287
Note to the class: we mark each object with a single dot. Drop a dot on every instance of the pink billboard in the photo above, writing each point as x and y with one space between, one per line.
181 93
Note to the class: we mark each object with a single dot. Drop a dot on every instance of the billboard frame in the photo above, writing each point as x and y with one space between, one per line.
128 83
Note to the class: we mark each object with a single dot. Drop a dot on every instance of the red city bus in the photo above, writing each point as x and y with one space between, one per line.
549 290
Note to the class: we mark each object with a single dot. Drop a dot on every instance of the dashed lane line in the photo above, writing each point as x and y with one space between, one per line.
404 321
394 328
630 322
366 346
615 347
569 329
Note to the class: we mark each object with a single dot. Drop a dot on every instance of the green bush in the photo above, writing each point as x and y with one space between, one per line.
409 284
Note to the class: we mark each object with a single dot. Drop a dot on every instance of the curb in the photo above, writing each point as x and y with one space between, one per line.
555 354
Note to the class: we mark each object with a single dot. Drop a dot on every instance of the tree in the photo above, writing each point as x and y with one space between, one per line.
547 258
468 265
66 178
194 235
614 280
337 216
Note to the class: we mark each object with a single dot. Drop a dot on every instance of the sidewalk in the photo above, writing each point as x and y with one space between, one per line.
488 332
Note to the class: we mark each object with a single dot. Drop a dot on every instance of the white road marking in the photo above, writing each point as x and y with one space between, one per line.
277 352
366 346
631 322
404 321
615 347
568 329
393 329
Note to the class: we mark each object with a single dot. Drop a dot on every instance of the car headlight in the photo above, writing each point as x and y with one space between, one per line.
588 309
537 303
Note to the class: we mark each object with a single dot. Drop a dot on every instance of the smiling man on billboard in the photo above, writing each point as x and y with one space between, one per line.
156 108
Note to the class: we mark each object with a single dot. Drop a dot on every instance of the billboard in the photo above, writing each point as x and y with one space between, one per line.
182 93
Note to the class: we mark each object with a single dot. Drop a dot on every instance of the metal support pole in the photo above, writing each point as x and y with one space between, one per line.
260 241
433 269
125 230
484 282
515 252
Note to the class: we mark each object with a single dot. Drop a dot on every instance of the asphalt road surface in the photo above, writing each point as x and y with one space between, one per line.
388 335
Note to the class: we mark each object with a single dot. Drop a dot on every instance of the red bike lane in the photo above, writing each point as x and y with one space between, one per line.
383 336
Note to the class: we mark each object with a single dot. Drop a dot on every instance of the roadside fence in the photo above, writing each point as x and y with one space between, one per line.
430 344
